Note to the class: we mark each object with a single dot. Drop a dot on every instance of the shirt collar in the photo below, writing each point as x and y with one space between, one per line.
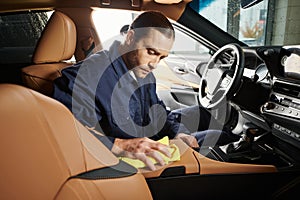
121 69
119 65
133 75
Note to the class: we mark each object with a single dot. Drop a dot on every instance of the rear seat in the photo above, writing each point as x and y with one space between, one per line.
53 52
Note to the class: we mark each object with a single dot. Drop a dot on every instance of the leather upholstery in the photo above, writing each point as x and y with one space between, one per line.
43 148
58 40
55 47
195 163
40 77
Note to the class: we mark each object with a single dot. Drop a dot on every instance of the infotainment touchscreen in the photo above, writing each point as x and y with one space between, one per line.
291 63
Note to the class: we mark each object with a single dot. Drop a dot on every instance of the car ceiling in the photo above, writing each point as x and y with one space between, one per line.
172 8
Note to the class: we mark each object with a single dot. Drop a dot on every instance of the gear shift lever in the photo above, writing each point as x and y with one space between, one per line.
245 143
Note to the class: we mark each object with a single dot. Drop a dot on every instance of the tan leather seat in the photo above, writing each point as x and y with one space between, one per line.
47 154
55 47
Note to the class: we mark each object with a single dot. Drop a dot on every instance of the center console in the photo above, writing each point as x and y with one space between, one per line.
284 111
278 146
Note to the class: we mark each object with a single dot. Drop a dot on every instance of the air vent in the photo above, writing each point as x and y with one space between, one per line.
287 89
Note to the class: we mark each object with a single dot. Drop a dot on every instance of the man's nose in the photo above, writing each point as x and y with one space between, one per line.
154 63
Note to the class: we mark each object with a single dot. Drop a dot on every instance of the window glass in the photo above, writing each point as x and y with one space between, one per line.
186 45
184 61
19 35
109 30
247 25
253 24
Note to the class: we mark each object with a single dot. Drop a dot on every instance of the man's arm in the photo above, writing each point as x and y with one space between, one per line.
188 139
172 127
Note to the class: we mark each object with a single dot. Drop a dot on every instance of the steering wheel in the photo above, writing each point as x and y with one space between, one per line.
222 76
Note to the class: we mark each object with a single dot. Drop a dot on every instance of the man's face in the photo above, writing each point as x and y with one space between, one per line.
147 52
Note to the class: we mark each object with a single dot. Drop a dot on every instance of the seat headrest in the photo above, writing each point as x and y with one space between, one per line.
58 40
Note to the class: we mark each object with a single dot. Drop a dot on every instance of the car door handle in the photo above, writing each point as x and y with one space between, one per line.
180 70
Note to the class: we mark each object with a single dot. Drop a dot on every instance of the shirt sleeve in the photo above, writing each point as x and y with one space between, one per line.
171 126
73 92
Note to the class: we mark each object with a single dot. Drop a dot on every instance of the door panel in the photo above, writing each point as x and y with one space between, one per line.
178 75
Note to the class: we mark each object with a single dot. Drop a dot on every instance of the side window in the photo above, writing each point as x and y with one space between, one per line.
19 35
186 60
109 30
248 25
186 45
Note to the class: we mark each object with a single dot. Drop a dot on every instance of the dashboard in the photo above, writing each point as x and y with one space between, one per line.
269 99
270 91
283 107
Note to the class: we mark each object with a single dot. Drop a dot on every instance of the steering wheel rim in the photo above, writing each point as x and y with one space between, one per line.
222 76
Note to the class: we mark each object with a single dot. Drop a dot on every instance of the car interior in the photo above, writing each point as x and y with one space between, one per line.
48 154
57 45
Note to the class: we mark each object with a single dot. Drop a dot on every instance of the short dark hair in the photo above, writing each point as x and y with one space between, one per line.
155 20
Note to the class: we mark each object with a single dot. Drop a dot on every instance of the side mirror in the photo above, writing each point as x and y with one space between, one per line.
249 3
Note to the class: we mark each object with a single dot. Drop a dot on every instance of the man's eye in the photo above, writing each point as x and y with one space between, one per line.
151 52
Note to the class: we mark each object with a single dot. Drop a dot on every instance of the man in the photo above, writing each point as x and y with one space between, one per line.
115 92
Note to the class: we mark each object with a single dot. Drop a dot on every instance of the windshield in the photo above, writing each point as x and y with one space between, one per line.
252 25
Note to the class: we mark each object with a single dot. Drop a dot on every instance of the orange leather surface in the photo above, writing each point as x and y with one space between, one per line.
58 40
195 163
85 28
56 45
40 77
131 188
42 145
174 13
210 166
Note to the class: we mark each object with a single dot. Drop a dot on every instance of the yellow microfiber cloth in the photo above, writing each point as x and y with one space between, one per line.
175 155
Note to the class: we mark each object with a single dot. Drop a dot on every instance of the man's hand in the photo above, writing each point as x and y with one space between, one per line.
141 148
188 139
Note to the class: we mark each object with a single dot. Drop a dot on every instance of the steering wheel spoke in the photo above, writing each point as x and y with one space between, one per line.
226 66
226 81
206 101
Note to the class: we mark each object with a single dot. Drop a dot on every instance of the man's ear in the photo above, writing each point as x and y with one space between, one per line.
129 37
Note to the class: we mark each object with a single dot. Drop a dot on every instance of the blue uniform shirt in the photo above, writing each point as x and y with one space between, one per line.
101 93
